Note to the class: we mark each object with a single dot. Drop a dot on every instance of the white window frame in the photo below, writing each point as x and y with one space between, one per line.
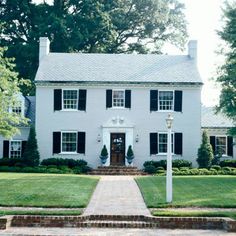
118 107
75 152
15 140
164 153
62 98
173 102
226 143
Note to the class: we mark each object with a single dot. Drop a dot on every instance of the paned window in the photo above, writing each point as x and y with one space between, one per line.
221 145
162 142
69 141
166 100
17 110
118 98
15 149
70 99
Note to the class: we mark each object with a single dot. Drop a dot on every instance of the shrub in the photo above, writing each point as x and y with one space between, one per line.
9 161
160 168
184 168
181 163
104 152
229 163
205 152
56 162
175 169
215 167
162 163
31 156
150 169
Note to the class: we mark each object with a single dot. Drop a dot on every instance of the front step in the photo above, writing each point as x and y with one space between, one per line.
124 221
116 170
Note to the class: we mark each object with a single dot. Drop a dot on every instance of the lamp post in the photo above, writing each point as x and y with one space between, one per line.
169 121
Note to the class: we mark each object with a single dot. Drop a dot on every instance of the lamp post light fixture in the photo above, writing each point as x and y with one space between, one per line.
169 122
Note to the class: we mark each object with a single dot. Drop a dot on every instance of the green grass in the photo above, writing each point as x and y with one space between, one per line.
40 212
200 191
45 190
231 214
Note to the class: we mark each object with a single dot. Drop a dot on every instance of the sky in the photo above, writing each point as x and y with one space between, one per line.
204 18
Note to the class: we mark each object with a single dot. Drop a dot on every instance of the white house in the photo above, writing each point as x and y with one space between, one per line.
85 101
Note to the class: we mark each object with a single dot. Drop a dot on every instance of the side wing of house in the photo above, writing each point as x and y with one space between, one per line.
217 127
14 147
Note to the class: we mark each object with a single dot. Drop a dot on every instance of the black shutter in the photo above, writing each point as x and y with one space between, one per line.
81 142
153 143
230 146
56 142
178 101
108 98
6 148
153 100
82 99
23 145
127 98
213 143
57 99
178 143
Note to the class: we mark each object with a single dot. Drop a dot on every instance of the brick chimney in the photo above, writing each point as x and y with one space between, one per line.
192 49
44 47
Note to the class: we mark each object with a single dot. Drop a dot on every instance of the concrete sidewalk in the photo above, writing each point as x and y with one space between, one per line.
117 195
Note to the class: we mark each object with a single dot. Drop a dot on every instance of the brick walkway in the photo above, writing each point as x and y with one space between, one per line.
110 232
117 195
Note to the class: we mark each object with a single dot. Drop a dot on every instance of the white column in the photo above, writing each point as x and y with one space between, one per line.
169 169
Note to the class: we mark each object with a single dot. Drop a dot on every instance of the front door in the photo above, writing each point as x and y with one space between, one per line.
117 148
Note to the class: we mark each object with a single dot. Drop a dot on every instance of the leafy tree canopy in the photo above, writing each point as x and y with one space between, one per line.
121 26
9 89
227 72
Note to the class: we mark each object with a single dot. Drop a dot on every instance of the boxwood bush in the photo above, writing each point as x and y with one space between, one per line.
228 163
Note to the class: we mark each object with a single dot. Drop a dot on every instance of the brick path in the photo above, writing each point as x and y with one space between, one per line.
117 195
110 232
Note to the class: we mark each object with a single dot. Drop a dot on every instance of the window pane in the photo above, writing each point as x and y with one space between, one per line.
69 142
166 100
118 98
163 143
221 145
15 149
70 98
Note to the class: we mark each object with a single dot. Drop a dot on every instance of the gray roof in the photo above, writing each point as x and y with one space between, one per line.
212 120
30 108
79 67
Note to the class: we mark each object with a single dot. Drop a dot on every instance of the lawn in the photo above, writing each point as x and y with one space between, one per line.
200 191
174 213
45 190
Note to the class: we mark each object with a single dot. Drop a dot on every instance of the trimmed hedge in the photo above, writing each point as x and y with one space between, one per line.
178 163
228 163
71 163
201 171
42 169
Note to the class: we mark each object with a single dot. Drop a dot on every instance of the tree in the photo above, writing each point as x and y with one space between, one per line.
31 154
205 152
227 72
121 26
9 88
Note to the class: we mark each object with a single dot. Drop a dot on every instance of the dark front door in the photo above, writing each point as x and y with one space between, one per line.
117 149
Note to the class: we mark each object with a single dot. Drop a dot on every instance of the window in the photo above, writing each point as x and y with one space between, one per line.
15 149
166 100
69 142
70 99
162 144
118 98
221 145
17 110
